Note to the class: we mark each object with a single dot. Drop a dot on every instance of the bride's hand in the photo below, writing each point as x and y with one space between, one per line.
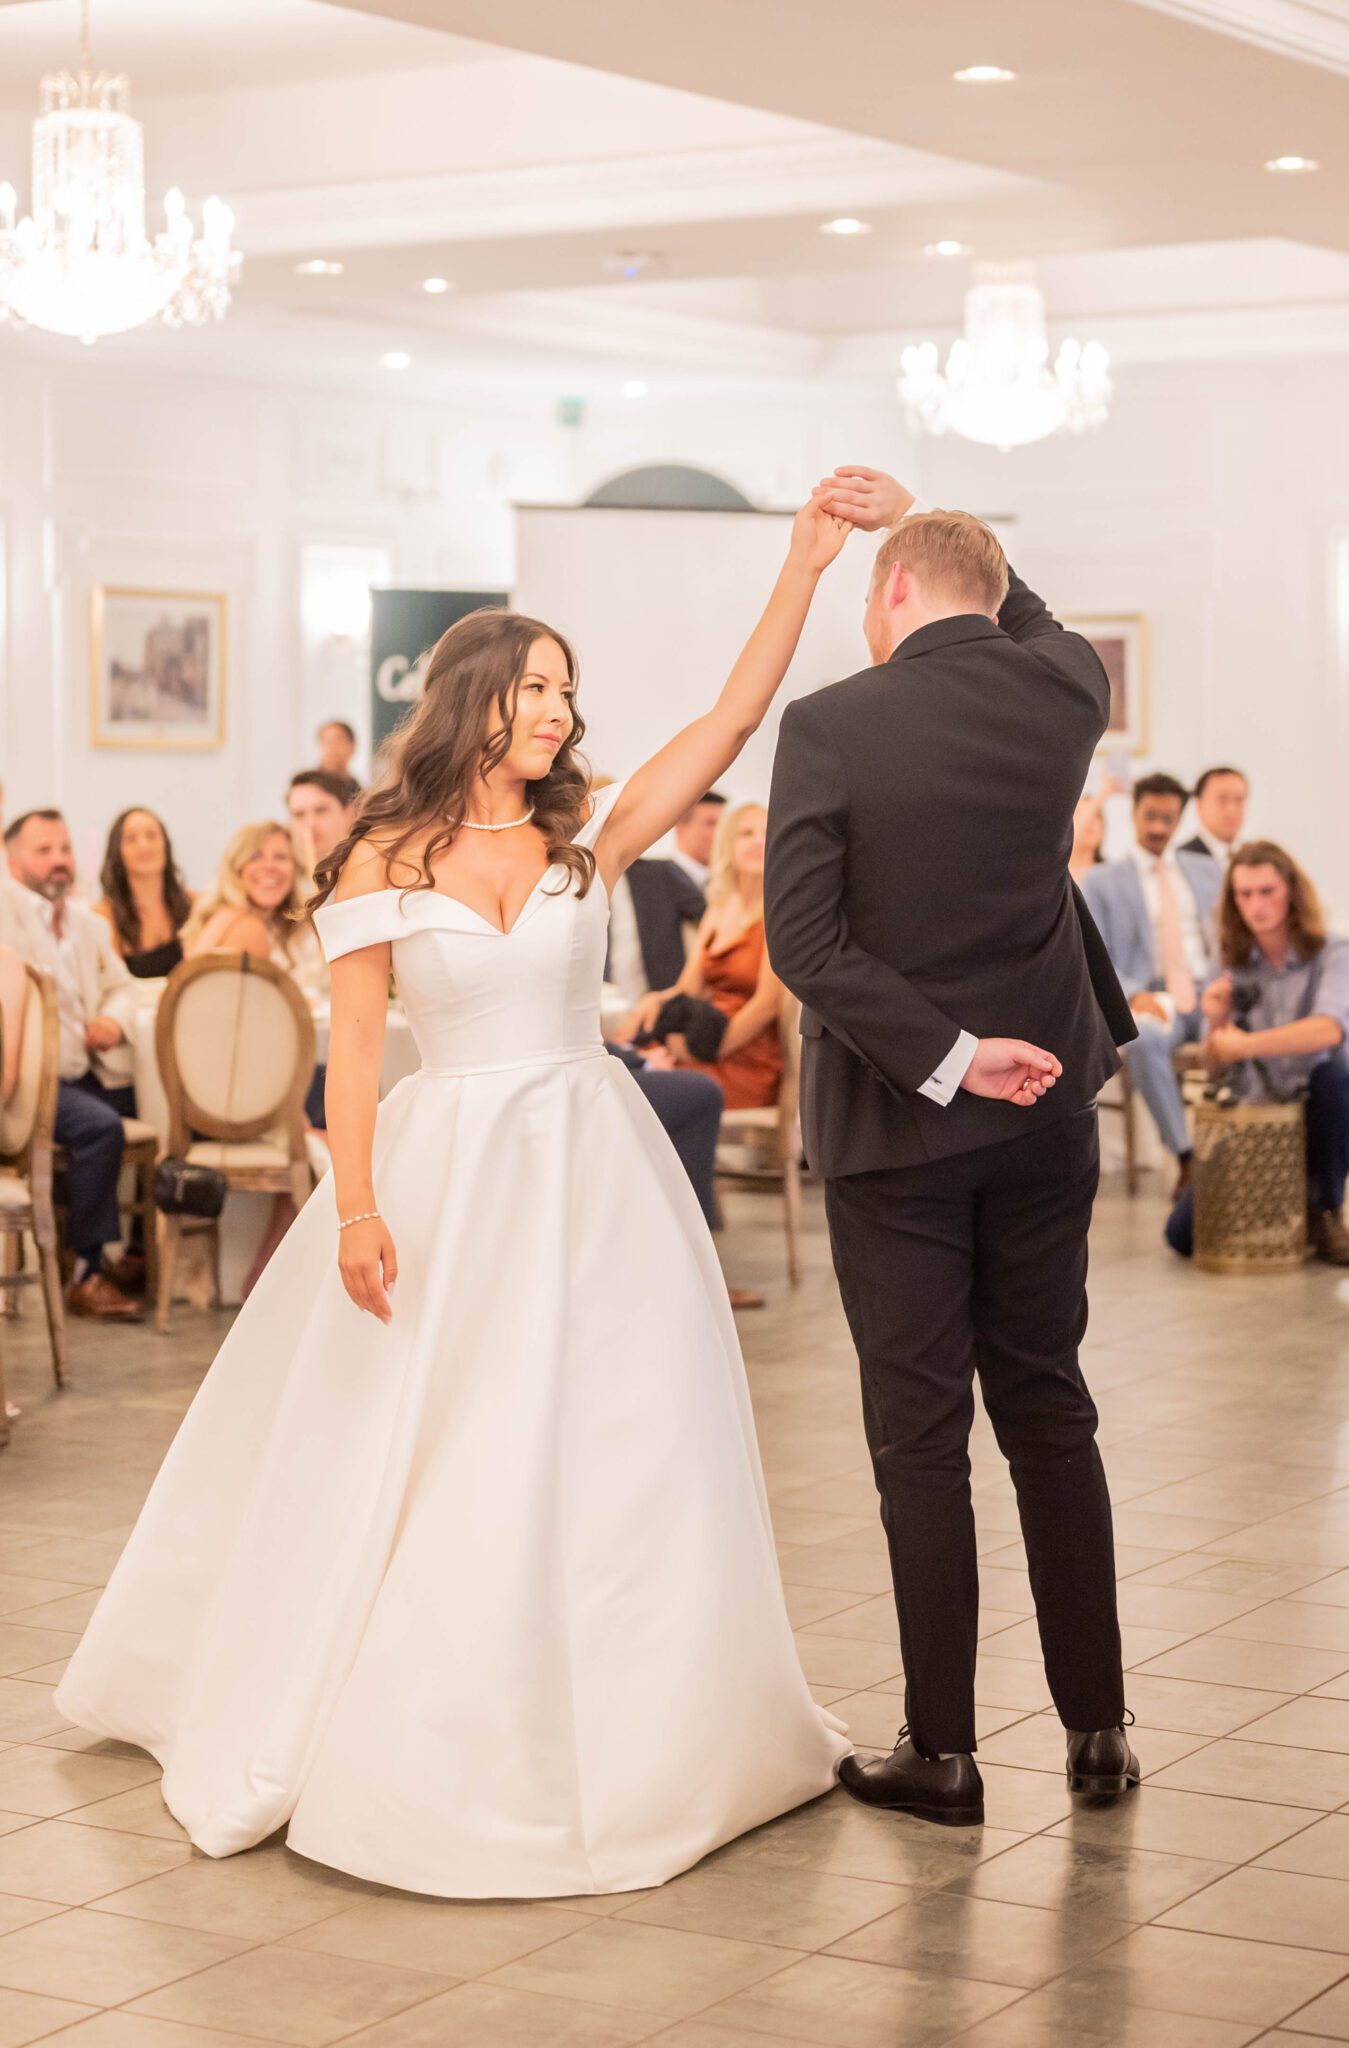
817 536
864 497
368 1264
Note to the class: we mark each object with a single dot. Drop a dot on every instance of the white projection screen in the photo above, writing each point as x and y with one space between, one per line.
658 605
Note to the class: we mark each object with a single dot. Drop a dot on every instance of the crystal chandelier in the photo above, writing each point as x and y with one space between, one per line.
81 263
998 386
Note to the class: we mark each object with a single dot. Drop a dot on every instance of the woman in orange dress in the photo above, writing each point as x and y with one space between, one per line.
729 968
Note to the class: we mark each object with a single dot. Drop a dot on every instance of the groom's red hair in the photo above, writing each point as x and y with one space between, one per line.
954 556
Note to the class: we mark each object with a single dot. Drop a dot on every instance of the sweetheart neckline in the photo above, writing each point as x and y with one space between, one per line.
500 931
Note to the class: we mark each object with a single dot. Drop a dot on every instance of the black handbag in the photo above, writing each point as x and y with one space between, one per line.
183 1189
701 1023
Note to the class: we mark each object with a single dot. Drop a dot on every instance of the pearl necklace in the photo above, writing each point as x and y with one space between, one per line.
474 826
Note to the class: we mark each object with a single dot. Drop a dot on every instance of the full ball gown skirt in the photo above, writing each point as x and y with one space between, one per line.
483 1603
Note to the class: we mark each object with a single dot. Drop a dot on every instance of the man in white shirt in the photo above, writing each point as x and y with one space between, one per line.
1220 813
96 1003
693 837
1155 909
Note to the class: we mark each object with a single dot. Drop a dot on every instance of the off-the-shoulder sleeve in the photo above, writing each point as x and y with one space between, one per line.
360 921
604 801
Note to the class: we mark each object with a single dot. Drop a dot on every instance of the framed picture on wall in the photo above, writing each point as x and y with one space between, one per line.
1122 643
159 661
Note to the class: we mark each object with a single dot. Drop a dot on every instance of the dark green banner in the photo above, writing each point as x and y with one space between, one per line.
404 626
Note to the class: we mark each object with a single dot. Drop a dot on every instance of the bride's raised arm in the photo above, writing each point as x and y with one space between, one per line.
658 795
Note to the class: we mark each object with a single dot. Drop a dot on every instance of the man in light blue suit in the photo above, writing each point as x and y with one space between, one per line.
1156 912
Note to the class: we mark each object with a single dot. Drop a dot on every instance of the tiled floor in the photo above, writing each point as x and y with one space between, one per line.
1210 1910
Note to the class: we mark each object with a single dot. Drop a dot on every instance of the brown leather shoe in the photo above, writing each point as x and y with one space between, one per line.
96 1295
128 1274
1330 1239
745 1297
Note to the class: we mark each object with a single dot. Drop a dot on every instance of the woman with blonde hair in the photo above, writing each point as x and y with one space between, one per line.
257 905
729 968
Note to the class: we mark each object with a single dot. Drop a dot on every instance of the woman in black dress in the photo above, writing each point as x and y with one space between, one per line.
145 899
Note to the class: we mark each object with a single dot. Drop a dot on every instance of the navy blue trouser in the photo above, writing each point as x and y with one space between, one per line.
89 1127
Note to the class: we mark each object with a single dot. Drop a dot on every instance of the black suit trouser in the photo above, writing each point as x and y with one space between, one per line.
978 1264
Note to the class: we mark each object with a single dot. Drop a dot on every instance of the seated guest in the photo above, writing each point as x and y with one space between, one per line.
96 1002
322 809
693 837
1088 836
337 748
13 998
1220 808
729 969
1277 1023
145 899
649 910
1155 912
257 906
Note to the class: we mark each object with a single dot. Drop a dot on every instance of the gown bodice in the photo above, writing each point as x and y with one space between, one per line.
479 999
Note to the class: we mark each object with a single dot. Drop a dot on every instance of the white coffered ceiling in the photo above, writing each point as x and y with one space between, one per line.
516 147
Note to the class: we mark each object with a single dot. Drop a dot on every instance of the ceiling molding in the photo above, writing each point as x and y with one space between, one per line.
1316 31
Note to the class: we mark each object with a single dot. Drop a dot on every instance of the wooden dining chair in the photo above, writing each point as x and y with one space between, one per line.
235 1043
27 1208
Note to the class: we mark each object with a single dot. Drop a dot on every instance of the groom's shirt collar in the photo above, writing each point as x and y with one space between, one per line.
946 633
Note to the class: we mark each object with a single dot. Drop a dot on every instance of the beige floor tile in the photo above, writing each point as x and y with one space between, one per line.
454 1938
24 2018
710 2034
263 1895
809 1604
1271 1905
1180 1607
798 1909
1064 1875
1205 1974
1009 1591
1336 1689
1326 2017
139 1812
872 1621
650 1969
1307 1624
840 1837
1268 1542
1232 1660
1043 2019
80 1560
1164 1532
102 1961
1240 1769
17 1593
49 1782
27 1712
860 2005
134 2030
1010 1682
1024 1801
23 1647
1244 1575
954 1934
840 1570
1305 1724
1334 1591
1291 2040
1038 1743
70 1866
16 1912
89 1744
71 1612
489 2016
1322 1850
1022 1639
1233 1830
839 1660
304 2000
1188 1706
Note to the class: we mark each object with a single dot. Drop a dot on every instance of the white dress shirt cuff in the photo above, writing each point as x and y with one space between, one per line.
952 1071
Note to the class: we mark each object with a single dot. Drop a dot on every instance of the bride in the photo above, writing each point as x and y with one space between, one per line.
460 1563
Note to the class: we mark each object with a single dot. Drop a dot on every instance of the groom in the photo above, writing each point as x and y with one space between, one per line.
918 902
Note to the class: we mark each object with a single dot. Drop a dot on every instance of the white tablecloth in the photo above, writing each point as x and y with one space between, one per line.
245 1215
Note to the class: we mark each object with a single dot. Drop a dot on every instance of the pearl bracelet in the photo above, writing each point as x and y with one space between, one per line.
367 1216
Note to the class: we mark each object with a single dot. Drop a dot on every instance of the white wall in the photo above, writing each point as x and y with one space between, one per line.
1215 502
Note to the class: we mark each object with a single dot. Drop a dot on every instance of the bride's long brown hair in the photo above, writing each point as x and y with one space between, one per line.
437 755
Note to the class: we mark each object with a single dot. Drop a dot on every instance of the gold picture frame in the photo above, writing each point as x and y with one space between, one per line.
1121 641
158 668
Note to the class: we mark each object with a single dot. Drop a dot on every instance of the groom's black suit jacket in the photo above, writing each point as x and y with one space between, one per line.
917 884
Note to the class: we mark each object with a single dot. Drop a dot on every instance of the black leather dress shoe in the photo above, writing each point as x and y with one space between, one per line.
947 1790
1102 1762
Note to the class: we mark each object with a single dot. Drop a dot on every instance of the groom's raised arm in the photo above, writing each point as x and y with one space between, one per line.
870 1007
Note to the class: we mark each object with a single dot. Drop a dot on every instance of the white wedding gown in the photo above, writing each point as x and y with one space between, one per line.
484 1603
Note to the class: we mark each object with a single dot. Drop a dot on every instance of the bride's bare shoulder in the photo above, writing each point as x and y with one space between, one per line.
372 865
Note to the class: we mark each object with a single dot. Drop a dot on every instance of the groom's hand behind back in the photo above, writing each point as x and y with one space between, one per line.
1010 1070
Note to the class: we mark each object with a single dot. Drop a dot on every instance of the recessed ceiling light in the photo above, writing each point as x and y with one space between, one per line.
634 388
436 285
318 266
983 74
1291 164
396 359
944 248
845 225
